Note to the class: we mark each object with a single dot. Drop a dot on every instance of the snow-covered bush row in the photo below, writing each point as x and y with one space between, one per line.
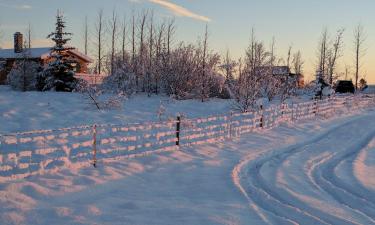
24 154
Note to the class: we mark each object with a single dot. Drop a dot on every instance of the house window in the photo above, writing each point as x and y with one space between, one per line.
76 67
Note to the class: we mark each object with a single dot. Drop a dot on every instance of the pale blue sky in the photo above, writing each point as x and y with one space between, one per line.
297 22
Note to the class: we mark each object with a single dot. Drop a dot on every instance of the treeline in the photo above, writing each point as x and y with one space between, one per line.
144 56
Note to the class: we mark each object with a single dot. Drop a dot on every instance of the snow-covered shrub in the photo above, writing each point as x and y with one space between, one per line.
23 76
122 80
96 97
249 85
362 84
321 88
161 111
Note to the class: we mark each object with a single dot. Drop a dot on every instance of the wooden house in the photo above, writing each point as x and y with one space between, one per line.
283 72
42 55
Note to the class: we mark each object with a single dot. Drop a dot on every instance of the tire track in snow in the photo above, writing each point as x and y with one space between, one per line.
341 192
289 209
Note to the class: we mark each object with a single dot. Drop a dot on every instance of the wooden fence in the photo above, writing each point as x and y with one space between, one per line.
38 152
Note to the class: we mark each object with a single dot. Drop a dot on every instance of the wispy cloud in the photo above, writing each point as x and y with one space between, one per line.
179 10
18 7
23 7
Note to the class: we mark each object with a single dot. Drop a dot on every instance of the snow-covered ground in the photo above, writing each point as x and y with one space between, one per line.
316 171
26 111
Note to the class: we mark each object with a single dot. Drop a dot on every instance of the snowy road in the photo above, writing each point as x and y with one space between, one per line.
325 180
315 172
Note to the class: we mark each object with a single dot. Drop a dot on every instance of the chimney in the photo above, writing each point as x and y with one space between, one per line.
18 42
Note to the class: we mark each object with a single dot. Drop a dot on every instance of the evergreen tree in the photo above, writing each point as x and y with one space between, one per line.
59 74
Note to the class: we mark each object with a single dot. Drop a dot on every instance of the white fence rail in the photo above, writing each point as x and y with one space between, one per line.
36 152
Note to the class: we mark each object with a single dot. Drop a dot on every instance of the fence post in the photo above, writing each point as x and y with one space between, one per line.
261 118
230 125
292 112
94 145
178 130
315 105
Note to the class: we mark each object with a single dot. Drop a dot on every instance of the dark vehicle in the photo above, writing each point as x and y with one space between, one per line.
344 86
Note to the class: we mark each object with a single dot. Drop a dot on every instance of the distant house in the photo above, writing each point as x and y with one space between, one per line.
42 55
283 72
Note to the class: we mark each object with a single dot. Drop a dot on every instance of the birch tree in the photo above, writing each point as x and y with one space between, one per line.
203 79
114 31
160 57
123 39
29 36
359 50
334 54
86 36
323 53
150 70
99 40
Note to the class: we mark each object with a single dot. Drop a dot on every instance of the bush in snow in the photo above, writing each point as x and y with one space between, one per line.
23 76
363 84
122 80
248 87
161 111
95 96
320 86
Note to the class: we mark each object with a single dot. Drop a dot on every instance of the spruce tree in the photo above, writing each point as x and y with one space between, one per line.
59 74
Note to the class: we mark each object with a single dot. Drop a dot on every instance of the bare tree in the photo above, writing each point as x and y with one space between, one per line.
286 86
359 40
289 56
150 71
28 36
160 59
86 35
228 67
269 82
204 60
123 47
99 37
134 64
334 54
323 53
170 33
297 63
113 27
142 25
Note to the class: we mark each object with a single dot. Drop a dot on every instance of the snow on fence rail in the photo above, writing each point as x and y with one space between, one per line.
36 152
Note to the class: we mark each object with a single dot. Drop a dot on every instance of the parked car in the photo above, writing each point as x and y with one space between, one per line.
344 86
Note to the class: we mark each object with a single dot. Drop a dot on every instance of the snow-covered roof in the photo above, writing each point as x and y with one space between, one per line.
37 53
81 55
276 70
31 53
